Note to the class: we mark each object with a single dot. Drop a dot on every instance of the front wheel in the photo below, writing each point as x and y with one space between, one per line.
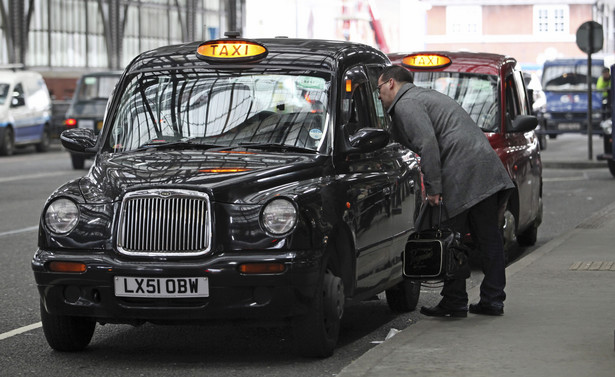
43 145
66 333
316 333
404 297
7 144
78 161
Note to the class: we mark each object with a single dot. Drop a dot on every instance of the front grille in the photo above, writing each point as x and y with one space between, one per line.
165 223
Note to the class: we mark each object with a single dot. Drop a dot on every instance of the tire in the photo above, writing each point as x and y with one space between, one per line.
611 164
77 161
43 146
529 236
7 143
404 297
542 141
65 333
316 333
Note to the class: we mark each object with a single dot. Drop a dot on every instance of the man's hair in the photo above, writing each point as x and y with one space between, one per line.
397 73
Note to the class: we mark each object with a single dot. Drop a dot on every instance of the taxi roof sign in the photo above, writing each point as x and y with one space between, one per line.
426 61
231 50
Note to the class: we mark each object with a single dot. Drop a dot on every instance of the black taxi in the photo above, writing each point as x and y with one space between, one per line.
232 180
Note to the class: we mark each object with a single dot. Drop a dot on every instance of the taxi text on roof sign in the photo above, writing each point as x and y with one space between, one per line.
426 61
231 50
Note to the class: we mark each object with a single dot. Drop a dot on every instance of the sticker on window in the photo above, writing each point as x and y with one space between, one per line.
309 82
316 134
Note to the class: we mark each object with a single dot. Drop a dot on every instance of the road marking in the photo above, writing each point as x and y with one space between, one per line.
30 176
10 232
564 179
21 330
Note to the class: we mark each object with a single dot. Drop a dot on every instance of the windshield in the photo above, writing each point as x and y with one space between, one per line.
569 76
94 88
210 109
4 93
477 94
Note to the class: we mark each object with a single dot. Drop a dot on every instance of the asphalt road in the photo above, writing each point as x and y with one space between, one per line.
27 178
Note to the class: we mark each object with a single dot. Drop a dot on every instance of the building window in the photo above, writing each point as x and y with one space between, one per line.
551 19
466 20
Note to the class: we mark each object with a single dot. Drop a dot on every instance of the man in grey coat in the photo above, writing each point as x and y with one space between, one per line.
460 168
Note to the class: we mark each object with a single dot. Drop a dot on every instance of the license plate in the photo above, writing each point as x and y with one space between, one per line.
161 287
570 126
86 123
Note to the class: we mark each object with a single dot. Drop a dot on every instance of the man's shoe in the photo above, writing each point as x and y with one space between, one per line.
439 311
486 309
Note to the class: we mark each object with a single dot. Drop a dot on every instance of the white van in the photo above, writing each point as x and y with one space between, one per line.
25 111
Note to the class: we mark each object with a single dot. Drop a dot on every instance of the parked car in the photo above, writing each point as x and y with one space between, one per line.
564 82
25 111
235 179
491 89
87 108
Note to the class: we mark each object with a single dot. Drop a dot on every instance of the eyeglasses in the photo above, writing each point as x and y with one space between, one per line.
379 86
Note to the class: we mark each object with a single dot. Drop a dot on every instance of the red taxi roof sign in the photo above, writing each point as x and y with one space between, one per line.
231 50
426 61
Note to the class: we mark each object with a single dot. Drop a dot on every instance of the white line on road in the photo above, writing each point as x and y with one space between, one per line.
20 330
28 229
565 179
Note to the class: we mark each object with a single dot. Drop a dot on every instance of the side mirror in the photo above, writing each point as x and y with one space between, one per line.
79 140
524 123
367 140
17 101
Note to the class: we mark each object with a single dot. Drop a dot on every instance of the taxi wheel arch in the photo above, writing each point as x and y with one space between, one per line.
316 333
66 333
7 141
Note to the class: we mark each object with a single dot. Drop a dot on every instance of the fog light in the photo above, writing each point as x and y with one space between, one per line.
262 268
77 267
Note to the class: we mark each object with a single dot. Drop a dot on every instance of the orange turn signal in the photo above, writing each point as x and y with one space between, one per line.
262 268
77 267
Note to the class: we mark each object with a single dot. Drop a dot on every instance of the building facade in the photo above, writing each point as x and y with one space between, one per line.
65 38
531 31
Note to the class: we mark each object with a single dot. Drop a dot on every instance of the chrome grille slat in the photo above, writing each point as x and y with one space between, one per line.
164 222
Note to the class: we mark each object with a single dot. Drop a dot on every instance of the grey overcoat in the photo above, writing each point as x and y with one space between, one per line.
456 157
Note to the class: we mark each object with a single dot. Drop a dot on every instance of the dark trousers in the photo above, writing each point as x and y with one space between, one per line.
482 222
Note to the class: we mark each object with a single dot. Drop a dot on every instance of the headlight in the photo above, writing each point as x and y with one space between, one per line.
279 216
61 216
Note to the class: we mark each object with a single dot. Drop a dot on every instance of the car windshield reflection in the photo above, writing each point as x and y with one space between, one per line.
228 111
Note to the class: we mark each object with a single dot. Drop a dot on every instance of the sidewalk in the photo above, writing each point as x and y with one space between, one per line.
559 315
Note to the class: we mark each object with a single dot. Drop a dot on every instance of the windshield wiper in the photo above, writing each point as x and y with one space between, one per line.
180 144
277 146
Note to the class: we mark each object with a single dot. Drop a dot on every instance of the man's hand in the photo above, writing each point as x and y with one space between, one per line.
434 200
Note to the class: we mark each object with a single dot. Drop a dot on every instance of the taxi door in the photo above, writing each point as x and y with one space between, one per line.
376 212
523 166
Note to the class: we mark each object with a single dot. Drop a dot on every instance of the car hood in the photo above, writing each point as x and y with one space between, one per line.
228 177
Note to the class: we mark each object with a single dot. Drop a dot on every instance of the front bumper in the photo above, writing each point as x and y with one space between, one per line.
232 295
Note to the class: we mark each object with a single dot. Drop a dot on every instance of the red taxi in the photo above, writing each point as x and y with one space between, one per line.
493 92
